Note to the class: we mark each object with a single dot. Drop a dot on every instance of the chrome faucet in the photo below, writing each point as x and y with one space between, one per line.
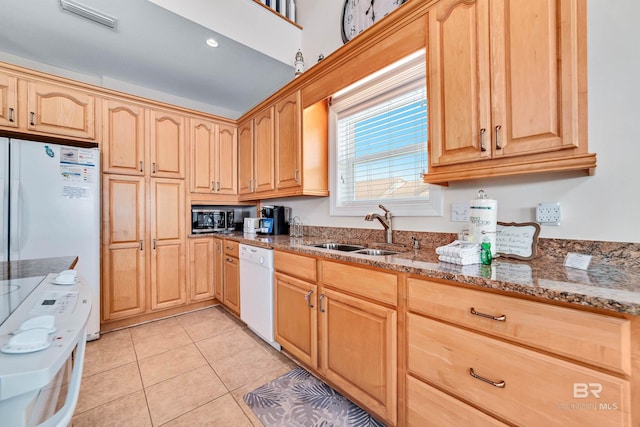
385 221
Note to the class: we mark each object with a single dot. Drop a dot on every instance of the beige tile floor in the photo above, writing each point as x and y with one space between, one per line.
188 370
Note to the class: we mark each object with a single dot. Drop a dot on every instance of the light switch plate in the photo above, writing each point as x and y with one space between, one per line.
459 212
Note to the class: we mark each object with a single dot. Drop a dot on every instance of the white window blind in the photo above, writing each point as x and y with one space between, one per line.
380 148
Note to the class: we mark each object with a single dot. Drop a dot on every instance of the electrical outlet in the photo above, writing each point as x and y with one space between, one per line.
548 213
459 212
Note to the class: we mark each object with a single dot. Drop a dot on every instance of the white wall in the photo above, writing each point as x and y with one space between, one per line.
603 207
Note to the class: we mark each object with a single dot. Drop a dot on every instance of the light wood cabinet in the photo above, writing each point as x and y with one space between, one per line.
124 145
298 148
361 359
256 151
288 141
231 277
124 271
202 268
311 312
167 144
60 110
8 100
507 85
524 362
218 262
214 158
295 318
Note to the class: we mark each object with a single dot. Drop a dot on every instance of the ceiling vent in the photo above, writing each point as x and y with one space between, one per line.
89 13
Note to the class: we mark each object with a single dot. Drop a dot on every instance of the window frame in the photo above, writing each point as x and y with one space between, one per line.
385 83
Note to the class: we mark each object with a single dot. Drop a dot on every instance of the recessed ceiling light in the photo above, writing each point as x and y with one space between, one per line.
212 43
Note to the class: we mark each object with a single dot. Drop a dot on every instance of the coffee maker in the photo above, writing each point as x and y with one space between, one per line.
280 215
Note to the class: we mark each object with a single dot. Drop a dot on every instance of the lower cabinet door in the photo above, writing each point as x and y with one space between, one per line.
218 261
202 271
295 318
232 284
521 386
429 407
359 351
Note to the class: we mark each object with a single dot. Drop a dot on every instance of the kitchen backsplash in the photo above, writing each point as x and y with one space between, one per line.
604 253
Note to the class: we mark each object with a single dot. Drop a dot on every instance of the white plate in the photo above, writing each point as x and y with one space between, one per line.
63 282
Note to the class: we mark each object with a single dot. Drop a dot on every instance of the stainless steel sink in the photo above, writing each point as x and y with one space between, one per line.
338 247
378 252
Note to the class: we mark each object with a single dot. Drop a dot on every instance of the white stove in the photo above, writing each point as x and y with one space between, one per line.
33 365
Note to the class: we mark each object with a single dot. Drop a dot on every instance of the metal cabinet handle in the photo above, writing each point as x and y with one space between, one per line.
255 186
482 147
218 186
322 310
32 118
295 175
307 297
11 114
140 244
153 167
213 186
154 244
140 165
502 318
498 147
219 247
500 384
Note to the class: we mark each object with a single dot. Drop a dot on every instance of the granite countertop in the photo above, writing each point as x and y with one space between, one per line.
35 267
609 287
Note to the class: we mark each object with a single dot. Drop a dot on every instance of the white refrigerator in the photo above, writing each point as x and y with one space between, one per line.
50 207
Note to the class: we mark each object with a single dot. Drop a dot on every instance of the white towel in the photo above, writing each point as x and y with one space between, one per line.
467 260
459 248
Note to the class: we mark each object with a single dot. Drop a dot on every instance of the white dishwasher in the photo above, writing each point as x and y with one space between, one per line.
256 291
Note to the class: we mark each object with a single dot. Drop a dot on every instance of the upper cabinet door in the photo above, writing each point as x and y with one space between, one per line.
123 138
459 99
8 101
202 156
167 135
504 79
61 111
534 63
263 151
226 160
288 141
245 157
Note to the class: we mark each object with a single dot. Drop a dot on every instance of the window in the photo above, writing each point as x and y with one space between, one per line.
379 147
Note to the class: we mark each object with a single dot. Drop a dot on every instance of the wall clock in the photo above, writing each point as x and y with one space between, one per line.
358 15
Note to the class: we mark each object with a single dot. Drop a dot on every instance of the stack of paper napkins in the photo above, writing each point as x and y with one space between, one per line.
460 252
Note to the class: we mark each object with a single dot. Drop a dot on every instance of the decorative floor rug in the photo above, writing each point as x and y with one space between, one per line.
299 399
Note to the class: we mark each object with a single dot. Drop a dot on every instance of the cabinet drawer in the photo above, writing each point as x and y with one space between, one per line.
300 266
536 389
429 407
231 248
589 337
369 283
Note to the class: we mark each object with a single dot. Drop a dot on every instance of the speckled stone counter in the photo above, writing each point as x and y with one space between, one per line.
609 283
35 267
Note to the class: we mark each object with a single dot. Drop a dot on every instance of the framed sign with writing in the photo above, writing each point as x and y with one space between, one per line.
517 240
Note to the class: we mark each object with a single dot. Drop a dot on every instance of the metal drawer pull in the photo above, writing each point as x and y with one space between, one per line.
229 248
32 115
498 147
482 147
322 310
140 244
153 167
501 384
11 114
229 259
154 244
307 296
502 318
140 165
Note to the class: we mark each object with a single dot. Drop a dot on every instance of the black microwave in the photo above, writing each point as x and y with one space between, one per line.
209 220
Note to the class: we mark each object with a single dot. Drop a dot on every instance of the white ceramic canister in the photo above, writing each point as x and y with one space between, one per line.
483 220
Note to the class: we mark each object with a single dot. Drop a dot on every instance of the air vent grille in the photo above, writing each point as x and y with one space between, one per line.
89 13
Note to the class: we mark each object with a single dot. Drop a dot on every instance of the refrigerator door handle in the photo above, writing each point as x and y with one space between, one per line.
15 231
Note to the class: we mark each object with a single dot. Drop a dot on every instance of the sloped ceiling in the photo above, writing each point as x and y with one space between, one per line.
151 50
